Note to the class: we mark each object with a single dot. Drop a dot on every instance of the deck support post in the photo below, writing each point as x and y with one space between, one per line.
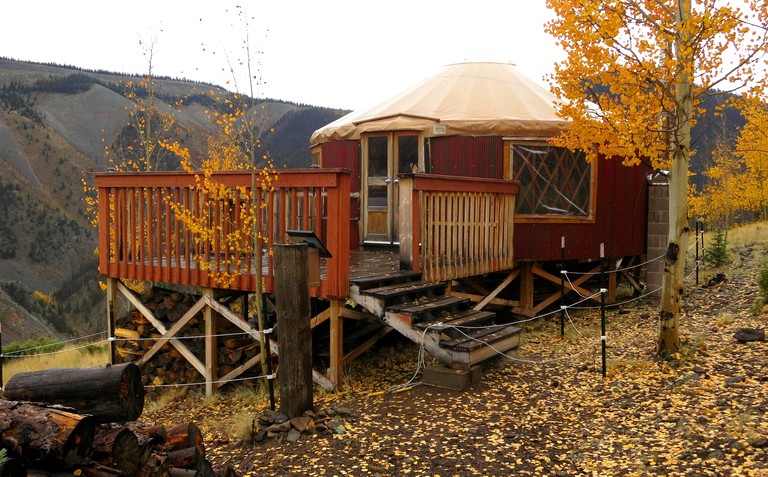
613 281
336 371
112 311
526 287
211 344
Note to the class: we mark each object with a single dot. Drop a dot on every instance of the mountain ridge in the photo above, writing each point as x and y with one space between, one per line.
55 122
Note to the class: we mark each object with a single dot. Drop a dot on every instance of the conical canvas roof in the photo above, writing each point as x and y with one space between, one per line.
471 99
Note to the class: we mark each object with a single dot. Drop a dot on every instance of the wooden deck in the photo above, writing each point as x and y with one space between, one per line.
217 232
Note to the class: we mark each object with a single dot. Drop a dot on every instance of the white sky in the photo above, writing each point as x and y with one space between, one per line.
337 53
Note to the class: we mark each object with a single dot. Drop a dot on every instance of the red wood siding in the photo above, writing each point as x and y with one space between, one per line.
480 156
620 221
346 155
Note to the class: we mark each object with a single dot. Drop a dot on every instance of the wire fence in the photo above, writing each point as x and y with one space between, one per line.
88 341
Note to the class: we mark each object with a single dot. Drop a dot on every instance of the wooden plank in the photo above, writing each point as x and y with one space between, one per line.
514 274
423 307
336 372
366 345
193 360
173 330
211 343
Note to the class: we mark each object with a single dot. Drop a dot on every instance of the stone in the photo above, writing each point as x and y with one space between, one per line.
445 377
759 442
279 427
746 335
300 423
272 417
293 435
337 426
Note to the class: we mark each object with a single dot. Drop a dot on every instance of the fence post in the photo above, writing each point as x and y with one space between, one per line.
2 358
294 335
603 291
562 286
697 253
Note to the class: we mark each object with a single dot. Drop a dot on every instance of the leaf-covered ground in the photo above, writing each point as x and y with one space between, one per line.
546 410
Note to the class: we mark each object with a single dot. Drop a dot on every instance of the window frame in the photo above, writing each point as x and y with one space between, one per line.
509 173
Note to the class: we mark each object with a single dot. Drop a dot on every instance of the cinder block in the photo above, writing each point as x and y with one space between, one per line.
445 377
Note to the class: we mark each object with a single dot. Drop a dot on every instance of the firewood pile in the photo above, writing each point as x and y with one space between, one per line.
136 336
84 421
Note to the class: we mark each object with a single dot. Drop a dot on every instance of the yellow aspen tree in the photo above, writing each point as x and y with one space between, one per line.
752 148
631 82
724 194
151 121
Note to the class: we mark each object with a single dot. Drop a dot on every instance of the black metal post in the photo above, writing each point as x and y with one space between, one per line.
603 291
2 359
562 286
697 253
270 380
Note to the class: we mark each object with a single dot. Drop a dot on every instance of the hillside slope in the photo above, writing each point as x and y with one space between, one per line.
55 122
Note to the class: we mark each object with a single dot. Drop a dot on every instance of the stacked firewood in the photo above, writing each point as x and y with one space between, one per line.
136 336
63 421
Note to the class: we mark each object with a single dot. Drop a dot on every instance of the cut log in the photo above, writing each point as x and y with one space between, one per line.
117 447
225 471
157 433
183 436
109 394
189 458
45 436
157 466
176 472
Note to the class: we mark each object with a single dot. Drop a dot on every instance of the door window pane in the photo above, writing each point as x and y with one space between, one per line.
408 154
377 156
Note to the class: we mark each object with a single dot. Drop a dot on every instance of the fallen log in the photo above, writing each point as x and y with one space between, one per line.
45 437
109 394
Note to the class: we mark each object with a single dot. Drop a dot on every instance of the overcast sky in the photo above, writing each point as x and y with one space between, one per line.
337 53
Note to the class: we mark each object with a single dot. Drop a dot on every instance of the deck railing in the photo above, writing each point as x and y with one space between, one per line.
143 236
452 227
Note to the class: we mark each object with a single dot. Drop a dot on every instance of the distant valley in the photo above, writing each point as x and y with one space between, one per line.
54 124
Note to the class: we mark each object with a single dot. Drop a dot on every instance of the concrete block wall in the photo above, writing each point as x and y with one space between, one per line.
658 228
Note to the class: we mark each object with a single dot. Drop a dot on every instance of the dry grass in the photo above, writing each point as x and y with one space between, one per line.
749 235
68 357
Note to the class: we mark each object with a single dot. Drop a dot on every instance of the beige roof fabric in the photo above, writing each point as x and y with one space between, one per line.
473 99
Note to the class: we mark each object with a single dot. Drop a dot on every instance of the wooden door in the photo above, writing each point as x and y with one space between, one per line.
385 156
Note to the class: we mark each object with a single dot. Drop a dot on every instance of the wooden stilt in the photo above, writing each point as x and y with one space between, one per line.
211 344
612 279
336 373
526 288
111 316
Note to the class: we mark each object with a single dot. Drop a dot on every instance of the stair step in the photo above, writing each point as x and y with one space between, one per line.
429 305
402 289
462 318
474 339
384 279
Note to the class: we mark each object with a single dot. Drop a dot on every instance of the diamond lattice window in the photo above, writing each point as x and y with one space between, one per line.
553 181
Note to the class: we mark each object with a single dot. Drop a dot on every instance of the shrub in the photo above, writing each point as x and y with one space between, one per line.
717 253
762 282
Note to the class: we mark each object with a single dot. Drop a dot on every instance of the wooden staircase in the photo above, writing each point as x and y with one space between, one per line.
457 335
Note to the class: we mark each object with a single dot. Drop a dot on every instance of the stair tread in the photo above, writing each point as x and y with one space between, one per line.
461 318
370 281
427 304
402 289
476 338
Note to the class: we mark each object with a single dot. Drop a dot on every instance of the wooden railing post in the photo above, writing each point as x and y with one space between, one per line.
337 238
408 224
